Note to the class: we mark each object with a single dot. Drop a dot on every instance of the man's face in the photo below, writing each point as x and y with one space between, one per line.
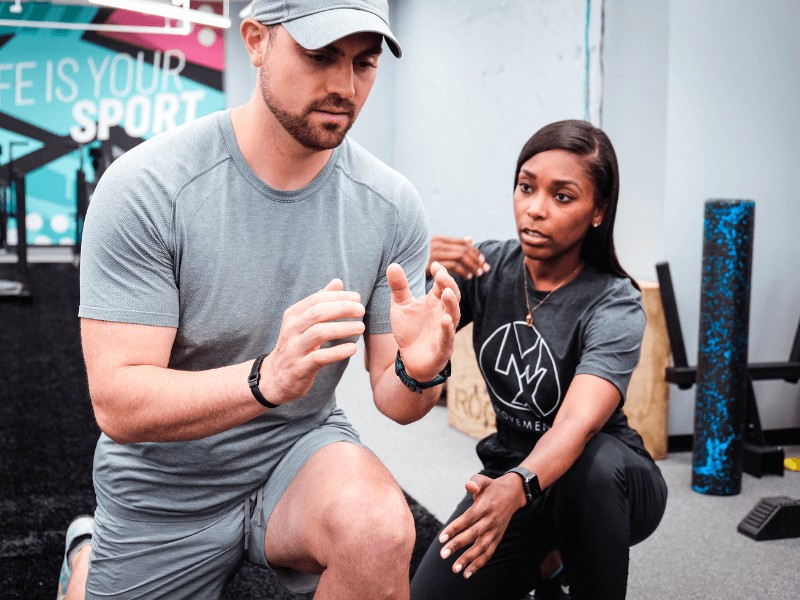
316 95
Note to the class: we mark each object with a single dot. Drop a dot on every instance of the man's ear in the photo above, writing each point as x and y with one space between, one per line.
255 36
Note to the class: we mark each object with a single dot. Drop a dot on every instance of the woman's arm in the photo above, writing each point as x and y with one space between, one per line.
588 404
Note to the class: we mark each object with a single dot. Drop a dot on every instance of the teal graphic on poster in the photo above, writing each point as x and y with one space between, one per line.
74 99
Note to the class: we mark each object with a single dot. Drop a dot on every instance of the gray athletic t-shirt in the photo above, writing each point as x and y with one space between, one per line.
181 233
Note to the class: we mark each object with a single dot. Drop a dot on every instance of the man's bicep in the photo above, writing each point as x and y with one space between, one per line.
381 348
109 345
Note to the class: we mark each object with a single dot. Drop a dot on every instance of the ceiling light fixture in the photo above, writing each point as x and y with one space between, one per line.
178 10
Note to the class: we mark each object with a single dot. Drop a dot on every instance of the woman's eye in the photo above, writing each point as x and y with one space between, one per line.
524 187
561 197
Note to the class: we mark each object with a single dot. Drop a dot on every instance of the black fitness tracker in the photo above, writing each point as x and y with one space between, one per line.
253 381
413 384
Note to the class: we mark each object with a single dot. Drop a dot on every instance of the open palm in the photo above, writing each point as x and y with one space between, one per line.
424 328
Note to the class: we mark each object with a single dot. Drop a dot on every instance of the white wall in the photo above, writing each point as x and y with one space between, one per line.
732 129
635 118
700 100
477 79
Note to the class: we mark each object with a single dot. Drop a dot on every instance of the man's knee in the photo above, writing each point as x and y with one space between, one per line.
372 520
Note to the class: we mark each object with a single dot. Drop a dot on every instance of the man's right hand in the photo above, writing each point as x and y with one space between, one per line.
304 343
458 256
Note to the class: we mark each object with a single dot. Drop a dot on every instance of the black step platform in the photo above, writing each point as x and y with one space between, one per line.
773 518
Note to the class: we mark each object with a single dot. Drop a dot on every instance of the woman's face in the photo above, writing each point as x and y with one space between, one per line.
554 206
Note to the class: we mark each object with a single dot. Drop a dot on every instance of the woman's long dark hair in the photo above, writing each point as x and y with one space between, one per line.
593 146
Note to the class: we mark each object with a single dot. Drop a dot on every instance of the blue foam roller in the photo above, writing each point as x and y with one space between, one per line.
721 391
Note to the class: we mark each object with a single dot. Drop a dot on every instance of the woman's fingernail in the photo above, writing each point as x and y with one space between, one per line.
443 538
468 574
457 568
480 272
445 553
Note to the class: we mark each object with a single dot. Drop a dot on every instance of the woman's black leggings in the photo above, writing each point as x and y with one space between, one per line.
609 500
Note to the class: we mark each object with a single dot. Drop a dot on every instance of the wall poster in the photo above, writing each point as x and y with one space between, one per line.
75 99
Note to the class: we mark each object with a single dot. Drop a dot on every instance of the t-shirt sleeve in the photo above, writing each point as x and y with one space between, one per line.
410 249
613 338
127 271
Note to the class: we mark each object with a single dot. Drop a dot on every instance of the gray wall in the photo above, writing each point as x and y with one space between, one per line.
701 103
699 98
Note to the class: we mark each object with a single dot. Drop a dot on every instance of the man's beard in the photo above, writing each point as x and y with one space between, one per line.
299 125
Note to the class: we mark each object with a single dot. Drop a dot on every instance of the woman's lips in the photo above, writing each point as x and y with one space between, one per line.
533 237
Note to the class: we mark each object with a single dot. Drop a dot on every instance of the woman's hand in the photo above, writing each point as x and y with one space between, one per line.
482 526
457 255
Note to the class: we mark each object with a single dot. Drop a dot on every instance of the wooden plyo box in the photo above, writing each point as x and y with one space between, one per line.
469 409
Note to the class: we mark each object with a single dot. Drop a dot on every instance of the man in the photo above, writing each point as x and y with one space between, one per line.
228 269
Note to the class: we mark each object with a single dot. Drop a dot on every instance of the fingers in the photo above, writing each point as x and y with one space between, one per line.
458 255
442 280
332 292
323 317
479 530
398 283
478 534
477 483
334 286
452 307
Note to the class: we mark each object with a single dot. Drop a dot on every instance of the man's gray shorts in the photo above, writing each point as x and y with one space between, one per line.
196 558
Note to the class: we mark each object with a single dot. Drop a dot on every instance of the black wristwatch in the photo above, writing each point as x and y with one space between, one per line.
413 384
530 483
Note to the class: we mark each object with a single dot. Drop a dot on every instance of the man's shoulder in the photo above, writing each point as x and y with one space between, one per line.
363 168
193 142
172 158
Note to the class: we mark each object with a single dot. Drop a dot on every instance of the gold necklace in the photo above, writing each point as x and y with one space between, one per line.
529 316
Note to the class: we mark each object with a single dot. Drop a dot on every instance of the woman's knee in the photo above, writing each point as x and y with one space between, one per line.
598 472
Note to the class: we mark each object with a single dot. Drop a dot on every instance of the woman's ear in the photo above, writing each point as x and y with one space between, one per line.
255 36
598 215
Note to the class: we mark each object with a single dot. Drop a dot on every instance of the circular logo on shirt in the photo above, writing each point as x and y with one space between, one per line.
516 364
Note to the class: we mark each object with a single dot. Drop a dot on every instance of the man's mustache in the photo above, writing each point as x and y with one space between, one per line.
333 103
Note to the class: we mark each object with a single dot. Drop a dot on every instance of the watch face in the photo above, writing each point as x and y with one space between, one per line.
530 483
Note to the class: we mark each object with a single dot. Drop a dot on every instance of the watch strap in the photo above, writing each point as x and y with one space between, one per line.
254 379
413 384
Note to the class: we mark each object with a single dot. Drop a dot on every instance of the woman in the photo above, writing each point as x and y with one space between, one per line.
557 328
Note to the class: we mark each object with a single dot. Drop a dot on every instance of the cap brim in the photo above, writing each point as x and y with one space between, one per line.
323 28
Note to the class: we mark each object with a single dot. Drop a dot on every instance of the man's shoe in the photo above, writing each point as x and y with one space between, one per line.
79 533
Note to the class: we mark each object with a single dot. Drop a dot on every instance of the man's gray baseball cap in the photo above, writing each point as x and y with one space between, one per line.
315 24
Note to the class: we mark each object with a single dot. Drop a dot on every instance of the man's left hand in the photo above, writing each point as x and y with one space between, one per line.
425 327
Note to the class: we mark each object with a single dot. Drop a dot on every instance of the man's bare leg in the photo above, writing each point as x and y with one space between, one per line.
345 516
76 589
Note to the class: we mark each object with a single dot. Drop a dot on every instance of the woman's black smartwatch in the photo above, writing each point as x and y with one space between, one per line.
530 483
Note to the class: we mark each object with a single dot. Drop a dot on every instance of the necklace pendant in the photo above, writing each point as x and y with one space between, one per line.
529 320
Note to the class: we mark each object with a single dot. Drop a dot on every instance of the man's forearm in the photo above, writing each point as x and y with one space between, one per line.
145 403
399 403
